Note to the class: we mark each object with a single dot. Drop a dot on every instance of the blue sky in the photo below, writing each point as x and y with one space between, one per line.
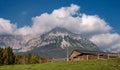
21 11
99 21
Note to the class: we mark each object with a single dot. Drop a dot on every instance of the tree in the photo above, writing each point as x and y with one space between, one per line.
44 60
8 56
19 59
5 56
32 59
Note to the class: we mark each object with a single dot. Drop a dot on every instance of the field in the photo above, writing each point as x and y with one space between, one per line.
108 64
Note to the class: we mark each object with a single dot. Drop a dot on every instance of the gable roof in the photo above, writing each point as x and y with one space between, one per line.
90 52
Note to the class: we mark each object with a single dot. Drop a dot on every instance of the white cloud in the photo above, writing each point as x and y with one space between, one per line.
64 17
58 17
107 41
6 27
92 26
26 30
66 11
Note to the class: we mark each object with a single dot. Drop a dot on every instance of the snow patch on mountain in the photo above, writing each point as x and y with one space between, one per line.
64 44
58 34
46 43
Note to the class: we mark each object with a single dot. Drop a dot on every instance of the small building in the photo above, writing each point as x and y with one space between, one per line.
88 55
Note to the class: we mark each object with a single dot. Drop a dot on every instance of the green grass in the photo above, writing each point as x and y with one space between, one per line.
111 64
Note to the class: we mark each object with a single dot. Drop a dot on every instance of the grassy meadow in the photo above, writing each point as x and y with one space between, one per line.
107 64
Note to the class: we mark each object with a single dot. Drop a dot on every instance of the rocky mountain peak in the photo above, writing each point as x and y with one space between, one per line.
52 43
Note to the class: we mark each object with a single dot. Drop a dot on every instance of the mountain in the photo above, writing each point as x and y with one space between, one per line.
55 43
51 44
16 42
9 40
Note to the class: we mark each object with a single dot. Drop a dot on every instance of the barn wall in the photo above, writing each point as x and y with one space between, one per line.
74 54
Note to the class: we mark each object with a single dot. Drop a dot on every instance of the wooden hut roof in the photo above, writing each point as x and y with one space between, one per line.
90 52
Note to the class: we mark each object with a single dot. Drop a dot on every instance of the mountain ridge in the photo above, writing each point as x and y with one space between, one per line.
53 43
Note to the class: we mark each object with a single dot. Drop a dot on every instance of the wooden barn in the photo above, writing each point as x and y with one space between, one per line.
88 55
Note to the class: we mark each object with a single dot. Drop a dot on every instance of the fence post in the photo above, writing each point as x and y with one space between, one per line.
87 57
108 56
98 56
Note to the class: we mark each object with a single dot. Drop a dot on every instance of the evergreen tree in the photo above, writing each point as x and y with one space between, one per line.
10 56
5 56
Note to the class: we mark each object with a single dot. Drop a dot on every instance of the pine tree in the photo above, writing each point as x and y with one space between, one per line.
5 56
10 56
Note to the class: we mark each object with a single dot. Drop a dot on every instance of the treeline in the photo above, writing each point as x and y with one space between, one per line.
7 57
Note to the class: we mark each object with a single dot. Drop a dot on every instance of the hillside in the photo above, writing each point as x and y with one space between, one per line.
111 64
